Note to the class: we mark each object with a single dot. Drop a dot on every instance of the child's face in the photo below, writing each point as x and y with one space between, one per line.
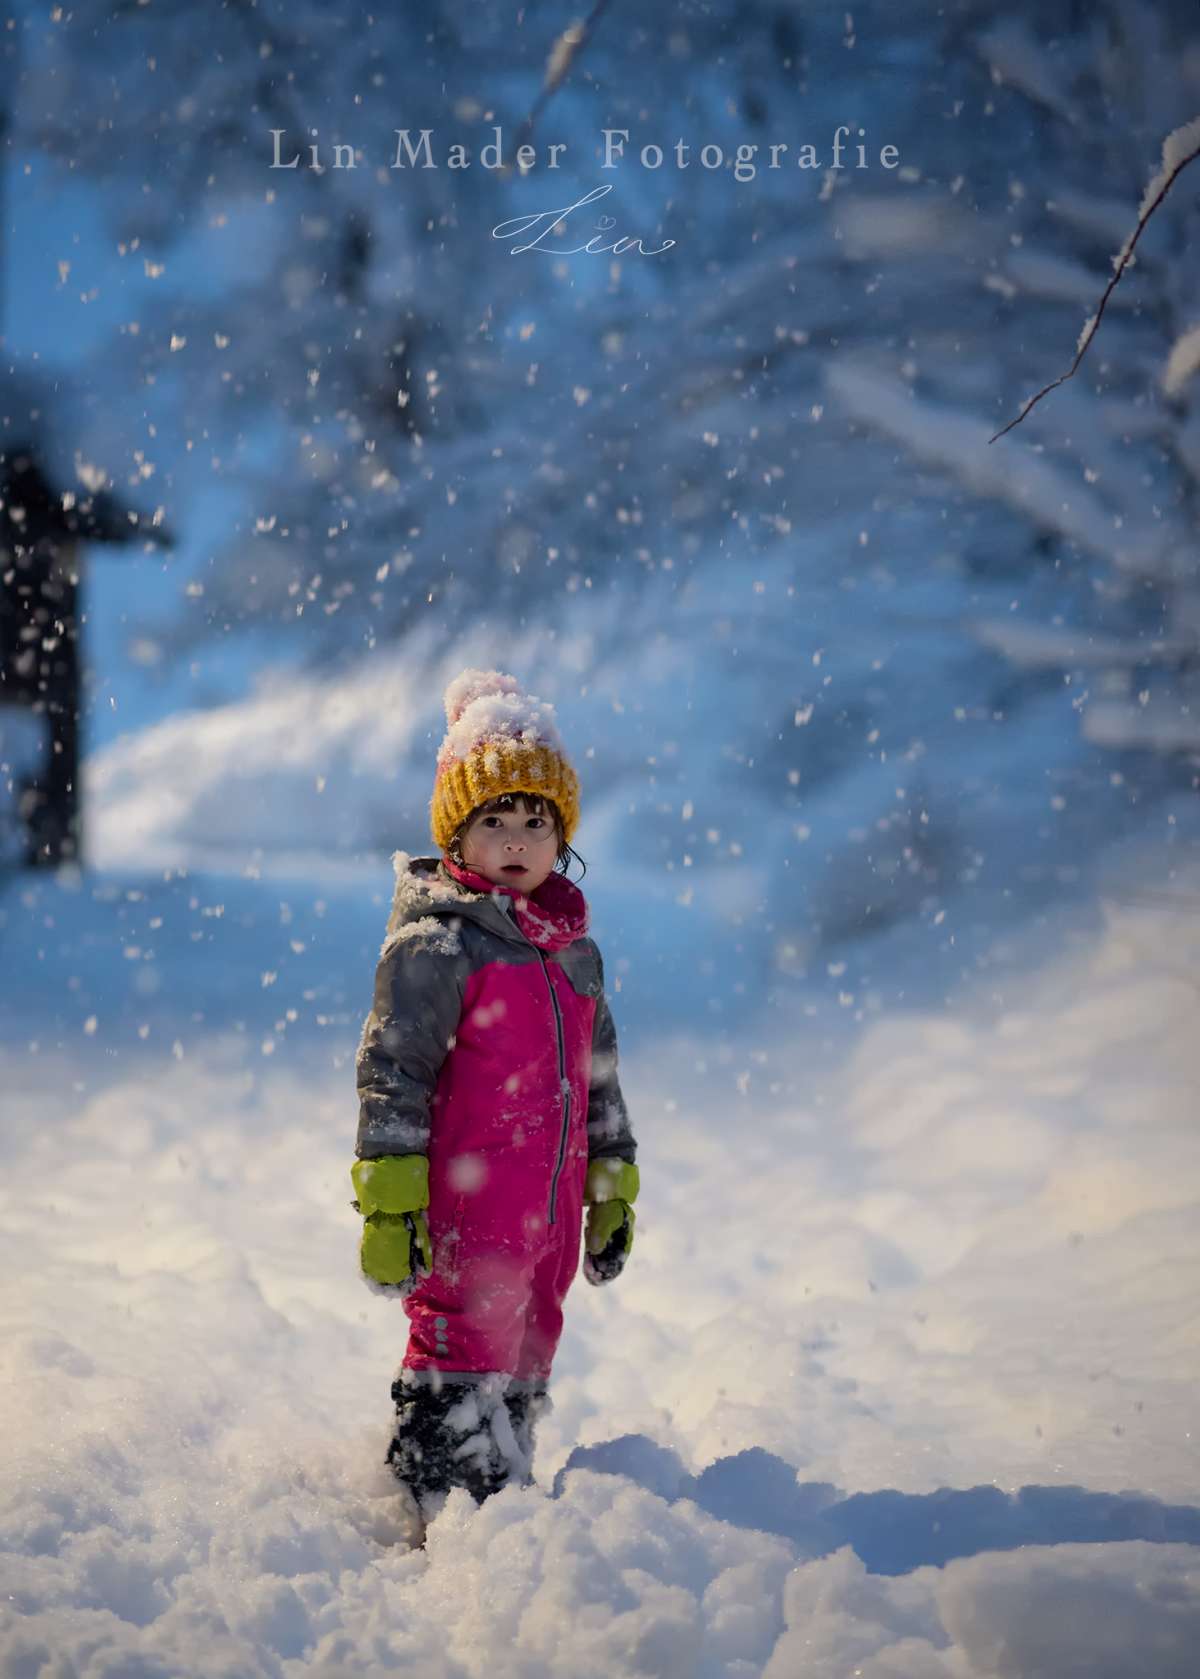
511 847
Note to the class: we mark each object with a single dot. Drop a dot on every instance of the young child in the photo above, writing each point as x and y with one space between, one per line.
490 1109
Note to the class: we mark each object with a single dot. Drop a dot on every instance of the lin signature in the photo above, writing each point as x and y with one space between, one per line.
514 228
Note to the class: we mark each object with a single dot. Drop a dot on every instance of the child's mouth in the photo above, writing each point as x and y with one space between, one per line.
513 868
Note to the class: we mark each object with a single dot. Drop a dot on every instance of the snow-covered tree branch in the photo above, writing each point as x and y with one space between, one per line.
1181 147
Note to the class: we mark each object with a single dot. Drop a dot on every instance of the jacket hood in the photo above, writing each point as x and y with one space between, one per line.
425 891
554 914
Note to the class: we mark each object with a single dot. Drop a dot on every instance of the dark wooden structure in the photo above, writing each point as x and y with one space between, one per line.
42 531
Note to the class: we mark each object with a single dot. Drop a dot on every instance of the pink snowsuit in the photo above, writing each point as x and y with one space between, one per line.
490 1047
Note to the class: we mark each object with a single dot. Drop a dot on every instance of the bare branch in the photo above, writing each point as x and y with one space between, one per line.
562 57
1174 165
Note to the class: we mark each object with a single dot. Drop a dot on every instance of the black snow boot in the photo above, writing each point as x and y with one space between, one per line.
525 1410
444 1438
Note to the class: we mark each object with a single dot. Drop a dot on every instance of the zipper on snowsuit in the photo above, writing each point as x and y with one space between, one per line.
564 1086
564 1083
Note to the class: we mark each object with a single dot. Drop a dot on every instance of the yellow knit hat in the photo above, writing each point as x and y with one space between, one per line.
498 740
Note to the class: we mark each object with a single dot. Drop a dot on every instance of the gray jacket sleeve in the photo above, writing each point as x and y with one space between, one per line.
610 1135
419 989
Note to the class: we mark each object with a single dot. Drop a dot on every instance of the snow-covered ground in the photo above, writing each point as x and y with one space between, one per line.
952 1247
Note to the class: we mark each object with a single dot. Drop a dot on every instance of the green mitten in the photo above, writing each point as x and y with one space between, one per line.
393 1192
609 1190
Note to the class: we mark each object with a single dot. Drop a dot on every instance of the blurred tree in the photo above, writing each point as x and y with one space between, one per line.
770 445
407 413
47 518
44 530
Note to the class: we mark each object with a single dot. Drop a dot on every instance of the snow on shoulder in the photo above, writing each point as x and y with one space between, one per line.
416 891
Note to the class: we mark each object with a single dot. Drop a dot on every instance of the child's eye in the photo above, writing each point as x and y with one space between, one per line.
493 822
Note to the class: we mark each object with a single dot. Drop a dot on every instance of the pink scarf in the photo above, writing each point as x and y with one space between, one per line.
555 915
